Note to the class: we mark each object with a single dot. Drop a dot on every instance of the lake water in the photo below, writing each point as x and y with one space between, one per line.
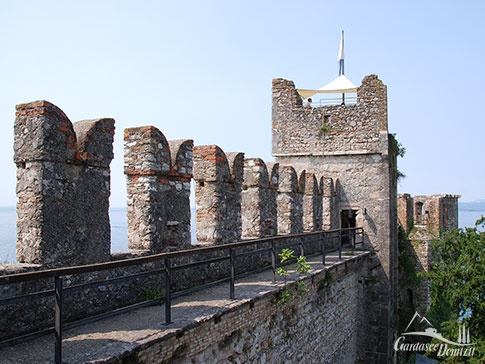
119 236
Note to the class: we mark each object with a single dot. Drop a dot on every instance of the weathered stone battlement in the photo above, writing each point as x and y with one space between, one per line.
218 194
235 197
158 174
438 212
335 168
330 130
258 200
63 186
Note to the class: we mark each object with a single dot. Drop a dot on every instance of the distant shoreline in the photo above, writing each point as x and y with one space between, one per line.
468 213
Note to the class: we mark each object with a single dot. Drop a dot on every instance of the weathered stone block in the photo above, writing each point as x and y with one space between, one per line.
289 202
312 219
218 194
63 186
258 201
158 190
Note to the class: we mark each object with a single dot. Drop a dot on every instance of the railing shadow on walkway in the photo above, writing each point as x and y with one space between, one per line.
337 239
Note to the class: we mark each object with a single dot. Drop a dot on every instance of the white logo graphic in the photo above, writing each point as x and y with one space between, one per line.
461 347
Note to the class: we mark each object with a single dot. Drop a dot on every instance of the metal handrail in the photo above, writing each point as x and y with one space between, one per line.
88 268
59 291
332 101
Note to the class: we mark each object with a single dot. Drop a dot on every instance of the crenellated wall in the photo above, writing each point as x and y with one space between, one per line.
329 213
312 202
349 128
289 201
258 201
218 181
334 167
63 190
158 174
63 186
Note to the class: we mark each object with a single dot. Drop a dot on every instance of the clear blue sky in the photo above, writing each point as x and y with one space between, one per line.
203 70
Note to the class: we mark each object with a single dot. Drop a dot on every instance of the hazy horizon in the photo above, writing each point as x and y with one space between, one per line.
119 235
203 71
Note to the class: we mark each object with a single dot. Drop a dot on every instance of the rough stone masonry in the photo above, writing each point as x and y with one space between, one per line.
335 168
158 174
351 145
63 186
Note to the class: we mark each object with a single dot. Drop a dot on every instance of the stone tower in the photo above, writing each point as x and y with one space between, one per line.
351 145
424 218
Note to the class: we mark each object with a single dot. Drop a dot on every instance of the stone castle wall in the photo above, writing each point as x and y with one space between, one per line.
63 189
353 129
327 324
158 174
329 160
63 186
258 200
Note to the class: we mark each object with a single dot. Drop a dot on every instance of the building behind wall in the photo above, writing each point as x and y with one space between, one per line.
351 145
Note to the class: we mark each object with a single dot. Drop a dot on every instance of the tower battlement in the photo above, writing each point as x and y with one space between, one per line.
330 130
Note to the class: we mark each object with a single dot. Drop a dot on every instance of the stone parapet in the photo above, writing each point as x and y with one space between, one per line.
63 186
289 201
328 210
258 201
338 129
158 175
312 202
218 194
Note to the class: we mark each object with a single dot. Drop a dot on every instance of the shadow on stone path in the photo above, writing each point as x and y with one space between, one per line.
106 340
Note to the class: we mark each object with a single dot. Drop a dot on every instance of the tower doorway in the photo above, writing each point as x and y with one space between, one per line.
348 219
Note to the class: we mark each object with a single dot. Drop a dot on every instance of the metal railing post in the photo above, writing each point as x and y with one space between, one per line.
273 261
340 244
233 274
168 293
323 249
58 319
353 241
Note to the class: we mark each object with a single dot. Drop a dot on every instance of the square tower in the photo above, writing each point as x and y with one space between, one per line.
351 145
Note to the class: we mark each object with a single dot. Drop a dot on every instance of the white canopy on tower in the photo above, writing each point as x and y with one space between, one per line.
340 85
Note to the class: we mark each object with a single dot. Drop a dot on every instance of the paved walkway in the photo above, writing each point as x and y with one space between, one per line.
105 340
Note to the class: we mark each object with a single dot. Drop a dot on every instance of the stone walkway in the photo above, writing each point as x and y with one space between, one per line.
110 339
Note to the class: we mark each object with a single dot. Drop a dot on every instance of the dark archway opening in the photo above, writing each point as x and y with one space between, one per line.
348 219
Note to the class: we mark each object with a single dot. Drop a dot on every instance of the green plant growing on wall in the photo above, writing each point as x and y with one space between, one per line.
397 150
302 268
324 129
152 293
